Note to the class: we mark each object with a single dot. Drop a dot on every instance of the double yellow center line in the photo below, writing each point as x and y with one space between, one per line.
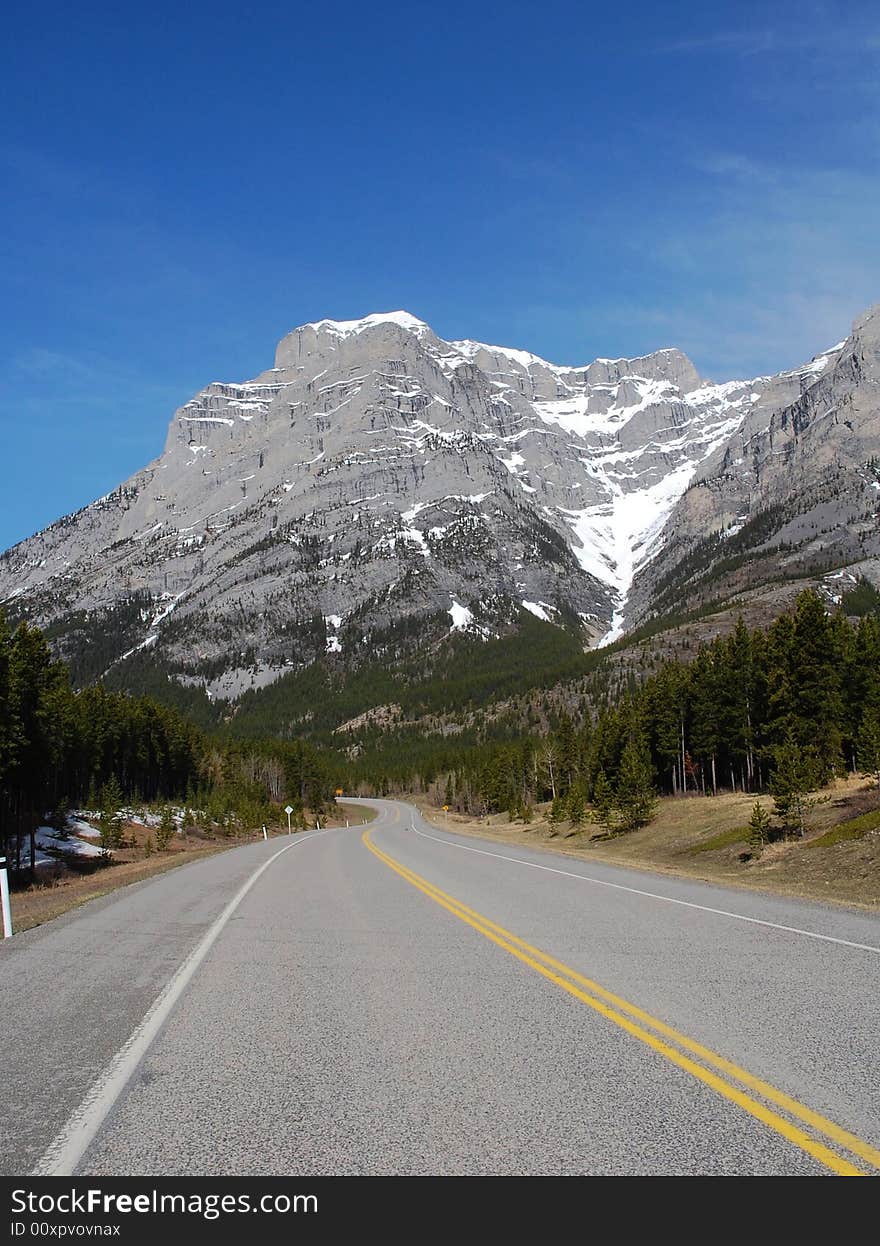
728 1079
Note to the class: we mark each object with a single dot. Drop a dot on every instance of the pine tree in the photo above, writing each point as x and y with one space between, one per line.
780 719
666 707
58 819
110 817
816 661
607 743
604 812
558 809
796 775
576 805
705 704
567 751
737 703
635 797
869 744
759 827
166 829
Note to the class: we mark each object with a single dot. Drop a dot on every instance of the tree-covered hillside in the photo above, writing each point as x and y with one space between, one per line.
60 747
486 725
804 695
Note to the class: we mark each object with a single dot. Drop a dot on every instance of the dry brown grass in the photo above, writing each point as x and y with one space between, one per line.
58 889
846 872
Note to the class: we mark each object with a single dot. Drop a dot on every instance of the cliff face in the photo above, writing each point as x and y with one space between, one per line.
796 486
378 475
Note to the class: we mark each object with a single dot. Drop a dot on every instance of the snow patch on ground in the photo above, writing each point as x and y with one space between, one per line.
461 617
413 534
335 622
77 826
169 604
46 837
410 515
463 621
539 609
144 644
738 526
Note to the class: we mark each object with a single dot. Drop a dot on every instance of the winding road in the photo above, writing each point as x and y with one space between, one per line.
395 999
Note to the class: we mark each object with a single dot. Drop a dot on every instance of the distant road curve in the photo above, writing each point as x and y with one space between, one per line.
398 999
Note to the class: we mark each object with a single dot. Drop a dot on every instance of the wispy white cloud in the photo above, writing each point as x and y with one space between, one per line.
738 42
39 362
757 267
774 273
814 27
732 164
40 382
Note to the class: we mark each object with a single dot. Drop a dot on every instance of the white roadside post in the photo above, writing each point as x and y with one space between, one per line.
4 900
265 832
288 809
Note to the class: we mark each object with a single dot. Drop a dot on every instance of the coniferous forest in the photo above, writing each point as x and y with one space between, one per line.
61 748
781 710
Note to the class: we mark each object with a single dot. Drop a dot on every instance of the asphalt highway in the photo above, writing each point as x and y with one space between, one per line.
396 999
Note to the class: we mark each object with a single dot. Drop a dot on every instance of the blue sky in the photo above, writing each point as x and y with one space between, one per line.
184 184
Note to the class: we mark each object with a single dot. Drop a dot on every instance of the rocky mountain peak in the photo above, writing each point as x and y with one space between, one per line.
379 473
310 339
867 325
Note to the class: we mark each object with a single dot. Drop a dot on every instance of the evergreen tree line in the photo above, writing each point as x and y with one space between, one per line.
783 710
61 748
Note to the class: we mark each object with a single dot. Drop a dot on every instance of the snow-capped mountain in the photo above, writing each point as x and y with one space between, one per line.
378 474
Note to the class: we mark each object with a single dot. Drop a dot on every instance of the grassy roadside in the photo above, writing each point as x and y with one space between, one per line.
53 896
357 813
57 891
705 838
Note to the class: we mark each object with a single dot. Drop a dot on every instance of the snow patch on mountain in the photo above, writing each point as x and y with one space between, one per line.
540 609
346 328
470 350
377 472
462 618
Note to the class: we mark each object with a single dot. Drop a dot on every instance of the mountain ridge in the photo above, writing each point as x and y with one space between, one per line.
378 473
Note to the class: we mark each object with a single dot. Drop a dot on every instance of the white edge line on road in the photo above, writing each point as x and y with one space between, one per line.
652 895
68 1148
